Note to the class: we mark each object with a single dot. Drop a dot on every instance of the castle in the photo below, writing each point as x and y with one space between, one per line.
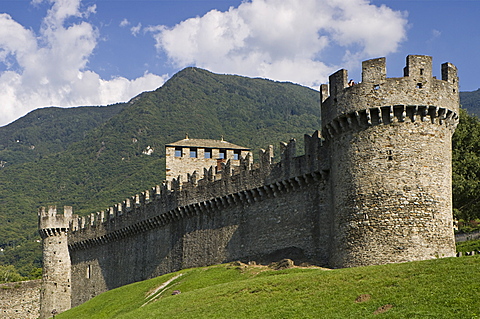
373 188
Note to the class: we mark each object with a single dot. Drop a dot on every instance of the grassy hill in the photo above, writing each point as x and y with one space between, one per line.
442 288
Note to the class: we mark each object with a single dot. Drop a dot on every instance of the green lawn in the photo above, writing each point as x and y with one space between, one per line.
442 288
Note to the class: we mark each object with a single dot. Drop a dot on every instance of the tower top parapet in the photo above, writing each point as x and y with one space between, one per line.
417 87
49 219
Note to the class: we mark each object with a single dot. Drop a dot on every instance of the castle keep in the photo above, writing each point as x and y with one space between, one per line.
187 156
373 187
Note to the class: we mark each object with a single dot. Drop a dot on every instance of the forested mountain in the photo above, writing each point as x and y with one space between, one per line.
471 102
49 130
91 158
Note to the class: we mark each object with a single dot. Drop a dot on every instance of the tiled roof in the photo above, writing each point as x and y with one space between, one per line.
204 143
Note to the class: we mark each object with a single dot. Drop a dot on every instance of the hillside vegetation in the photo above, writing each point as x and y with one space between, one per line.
466 172
442 288
468 246
49 130
471 102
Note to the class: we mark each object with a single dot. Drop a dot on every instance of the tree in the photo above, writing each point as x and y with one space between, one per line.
466 167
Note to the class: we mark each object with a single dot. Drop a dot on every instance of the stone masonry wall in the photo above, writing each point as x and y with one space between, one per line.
398 208
20 300
290 224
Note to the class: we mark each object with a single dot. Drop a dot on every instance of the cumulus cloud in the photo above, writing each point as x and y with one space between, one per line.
51 67
284 39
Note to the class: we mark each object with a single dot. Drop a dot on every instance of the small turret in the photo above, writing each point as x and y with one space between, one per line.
55 295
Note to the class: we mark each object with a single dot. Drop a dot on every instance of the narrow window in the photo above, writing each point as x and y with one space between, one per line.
376 86
390 155
178 152
193 152
236 154
222 154
421 71
208 153
89 270
419 85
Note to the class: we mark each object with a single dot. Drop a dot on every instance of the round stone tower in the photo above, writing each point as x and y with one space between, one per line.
55 294
389 141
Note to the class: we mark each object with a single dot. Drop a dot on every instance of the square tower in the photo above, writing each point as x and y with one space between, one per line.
188 155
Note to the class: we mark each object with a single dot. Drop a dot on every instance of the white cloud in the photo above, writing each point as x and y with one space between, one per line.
14 39
284 39
124 23
51 67
435 35
136 29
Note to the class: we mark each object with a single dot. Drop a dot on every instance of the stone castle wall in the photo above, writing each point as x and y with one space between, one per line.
20 300
255 213
374 188
262 230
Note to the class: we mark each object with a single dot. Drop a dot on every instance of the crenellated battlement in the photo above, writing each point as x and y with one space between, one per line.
52 224
249 196
416 87
177 199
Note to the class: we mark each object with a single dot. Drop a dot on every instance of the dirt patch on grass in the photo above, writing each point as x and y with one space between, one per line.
155 294
363 298
383 309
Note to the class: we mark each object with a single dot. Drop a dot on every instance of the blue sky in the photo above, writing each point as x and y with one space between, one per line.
98 52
